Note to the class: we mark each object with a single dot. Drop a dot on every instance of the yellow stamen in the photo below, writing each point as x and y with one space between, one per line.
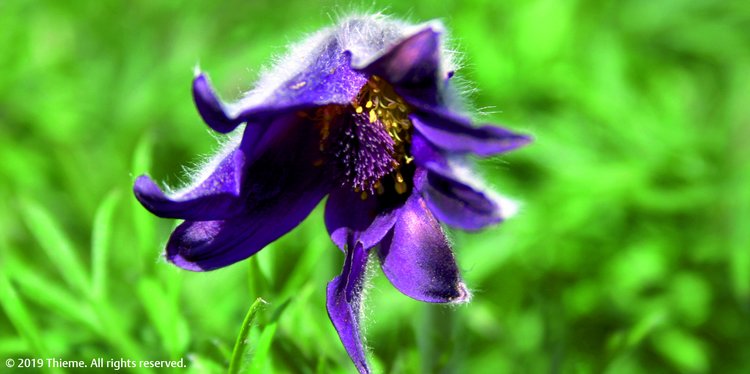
400 188
399 177
385 108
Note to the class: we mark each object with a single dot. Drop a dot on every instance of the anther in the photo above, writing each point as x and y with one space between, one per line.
379 188
400 188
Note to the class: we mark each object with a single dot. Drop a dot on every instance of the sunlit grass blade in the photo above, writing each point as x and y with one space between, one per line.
223 349
19 316
13 346
241 344
99 318
263 346
55 244
165 316
116 332
258 284
739 217
204 365
321 368
143 221
644 328
101 237
50 295
306 264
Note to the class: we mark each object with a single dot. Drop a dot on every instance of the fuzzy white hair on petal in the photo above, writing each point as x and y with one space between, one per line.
203 170
367 37
465 295
508 207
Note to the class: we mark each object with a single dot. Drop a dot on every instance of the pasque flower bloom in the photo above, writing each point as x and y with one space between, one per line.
362 112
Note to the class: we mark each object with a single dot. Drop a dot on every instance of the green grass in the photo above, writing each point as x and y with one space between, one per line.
630 253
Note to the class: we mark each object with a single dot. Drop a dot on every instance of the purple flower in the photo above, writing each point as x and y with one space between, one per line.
361 112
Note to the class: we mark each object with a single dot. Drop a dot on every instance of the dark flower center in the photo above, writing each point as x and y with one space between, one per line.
368 140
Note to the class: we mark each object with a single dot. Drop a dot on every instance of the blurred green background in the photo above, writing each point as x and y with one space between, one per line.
631 252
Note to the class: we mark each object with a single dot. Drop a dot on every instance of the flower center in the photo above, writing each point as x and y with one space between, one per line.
369 140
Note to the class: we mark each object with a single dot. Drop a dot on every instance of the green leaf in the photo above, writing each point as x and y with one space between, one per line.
165 315
143 221
687 353
263 346
262 349
644 327
20 317
241 344
101 237
48 293
58 247
116 332
202 365
13 346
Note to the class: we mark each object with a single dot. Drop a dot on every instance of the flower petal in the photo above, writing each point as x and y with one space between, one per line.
417 259
210 107
456 134
279 190
412 61
207 245
425 152
344 304
458 204
454 199
367 221
411 65
215 197
328 79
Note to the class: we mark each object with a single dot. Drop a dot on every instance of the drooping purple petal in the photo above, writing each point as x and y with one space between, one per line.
412 61
207 245
344 304
458 204
367 221
455 133
279 189
328 79
210 107
411 66
275 133
215 197
425 152
452 199
417 258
